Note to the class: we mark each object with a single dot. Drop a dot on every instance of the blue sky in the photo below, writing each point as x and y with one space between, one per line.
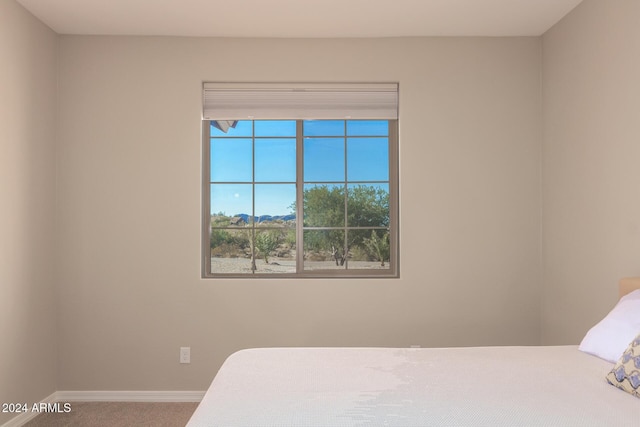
232 163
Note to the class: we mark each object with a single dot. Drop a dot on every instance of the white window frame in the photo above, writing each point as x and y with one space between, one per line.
369 104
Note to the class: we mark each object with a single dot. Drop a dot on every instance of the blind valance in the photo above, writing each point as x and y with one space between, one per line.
242 101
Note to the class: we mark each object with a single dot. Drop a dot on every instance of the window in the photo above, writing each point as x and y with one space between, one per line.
299 197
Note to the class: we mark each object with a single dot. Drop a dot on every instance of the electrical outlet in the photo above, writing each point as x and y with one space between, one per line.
185 354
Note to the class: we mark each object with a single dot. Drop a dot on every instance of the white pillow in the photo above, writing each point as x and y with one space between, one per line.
612 335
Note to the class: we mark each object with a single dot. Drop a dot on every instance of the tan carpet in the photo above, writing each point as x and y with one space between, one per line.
118 414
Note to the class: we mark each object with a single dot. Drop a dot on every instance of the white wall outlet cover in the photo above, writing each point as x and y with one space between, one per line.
185 354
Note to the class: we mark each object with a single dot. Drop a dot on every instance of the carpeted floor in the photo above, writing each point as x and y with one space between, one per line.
118 414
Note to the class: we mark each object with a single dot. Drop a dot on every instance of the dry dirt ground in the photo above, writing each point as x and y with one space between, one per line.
243 265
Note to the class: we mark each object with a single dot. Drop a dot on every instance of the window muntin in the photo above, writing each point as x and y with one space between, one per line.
344 173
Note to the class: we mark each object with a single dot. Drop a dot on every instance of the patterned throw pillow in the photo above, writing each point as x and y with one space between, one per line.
626 373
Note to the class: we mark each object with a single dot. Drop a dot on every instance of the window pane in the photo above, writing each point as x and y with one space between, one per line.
324 249
224 265
344 185
231 128
275 202
323 128
367 128
368 159
275 160
323 159
231 250
275 251
275 128
324 206
368 249
368 205
232 200
231 160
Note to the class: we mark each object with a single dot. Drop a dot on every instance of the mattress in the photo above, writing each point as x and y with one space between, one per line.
423 387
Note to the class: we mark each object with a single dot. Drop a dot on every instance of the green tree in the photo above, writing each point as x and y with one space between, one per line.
363 206
378 246
368 206
267 241
324 206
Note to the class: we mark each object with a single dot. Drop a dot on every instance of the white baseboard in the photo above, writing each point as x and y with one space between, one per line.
108 396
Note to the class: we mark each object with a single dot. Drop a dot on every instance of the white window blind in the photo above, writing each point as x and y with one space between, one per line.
241 101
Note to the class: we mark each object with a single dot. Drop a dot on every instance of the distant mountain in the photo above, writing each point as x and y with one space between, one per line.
265 218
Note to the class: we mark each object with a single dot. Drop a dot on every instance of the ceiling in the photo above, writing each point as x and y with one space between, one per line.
301 18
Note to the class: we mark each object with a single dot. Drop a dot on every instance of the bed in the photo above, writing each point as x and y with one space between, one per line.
395 387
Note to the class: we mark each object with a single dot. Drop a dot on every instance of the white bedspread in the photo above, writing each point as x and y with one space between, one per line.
456 387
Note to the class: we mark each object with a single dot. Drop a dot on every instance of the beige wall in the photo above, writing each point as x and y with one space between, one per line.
27 207
129 206
128 187
591 64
